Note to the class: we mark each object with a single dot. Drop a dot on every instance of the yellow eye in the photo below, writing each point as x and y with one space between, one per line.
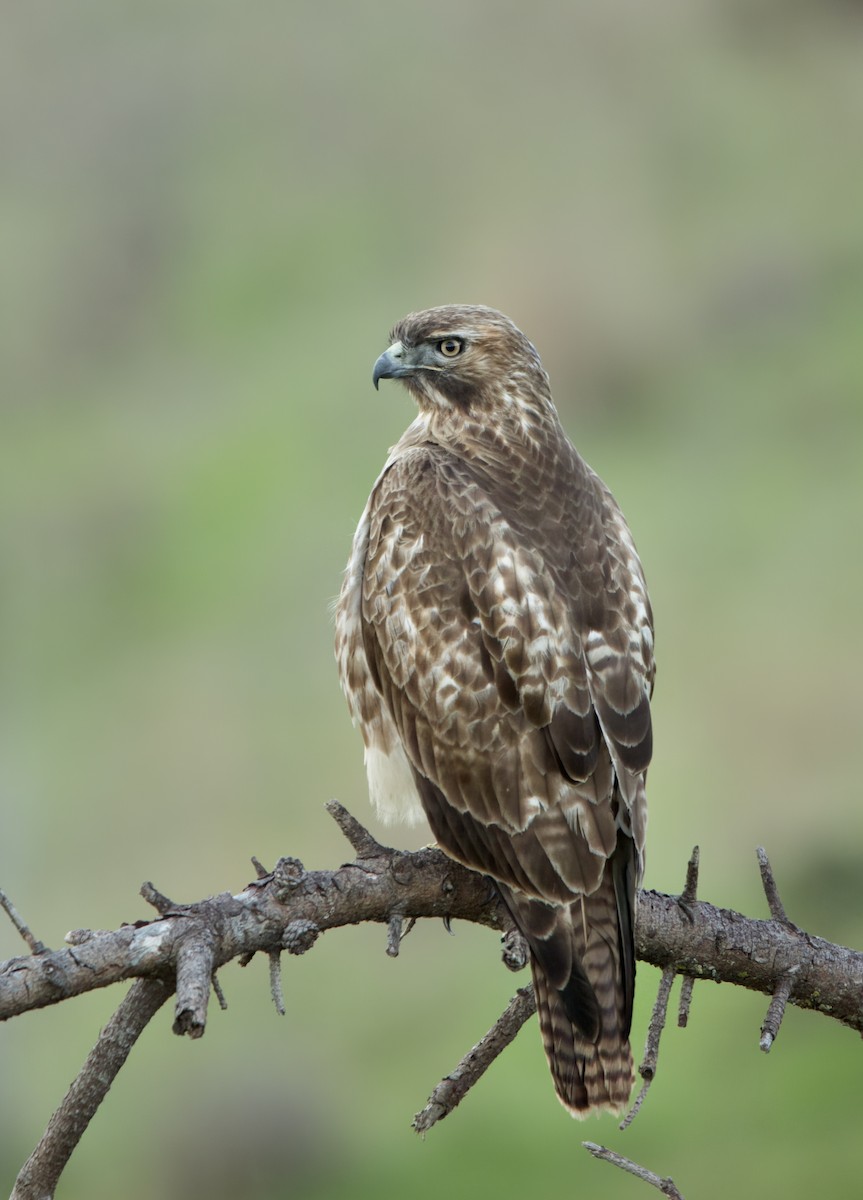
449 347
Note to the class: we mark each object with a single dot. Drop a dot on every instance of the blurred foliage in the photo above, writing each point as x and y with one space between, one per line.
210 216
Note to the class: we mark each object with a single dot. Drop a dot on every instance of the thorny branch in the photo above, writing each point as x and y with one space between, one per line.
288 908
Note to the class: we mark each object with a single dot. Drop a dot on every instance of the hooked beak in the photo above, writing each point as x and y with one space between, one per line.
392 364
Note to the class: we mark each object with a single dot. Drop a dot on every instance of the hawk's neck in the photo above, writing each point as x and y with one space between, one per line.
518 449
506 432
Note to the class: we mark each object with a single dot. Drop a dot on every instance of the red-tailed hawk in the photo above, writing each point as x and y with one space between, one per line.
495 644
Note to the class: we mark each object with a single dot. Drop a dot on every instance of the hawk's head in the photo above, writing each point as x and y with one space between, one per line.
462 355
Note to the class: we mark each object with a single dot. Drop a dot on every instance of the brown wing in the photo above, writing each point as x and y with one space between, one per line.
473 649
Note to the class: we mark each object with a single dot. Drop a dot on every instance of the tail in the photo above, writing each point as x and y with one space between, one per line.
583 964
589 1075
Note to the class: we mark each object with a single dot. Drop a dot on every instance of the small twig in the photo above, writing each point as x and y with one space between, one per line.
687 900
771 891
685 1001
359 837
776 1011
664 1185
636 1106
647 1070
260 870
394 934
157 899
397 930
690 887
452 1090
276 990
219 994
37 1179
36 947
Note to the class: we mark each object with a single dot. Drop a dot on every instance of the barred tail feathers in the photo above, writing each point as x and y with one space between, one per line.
588 1076
583 965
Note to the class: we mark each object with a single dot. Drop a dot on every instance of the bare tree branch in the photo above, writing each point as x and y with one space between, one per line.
452 1090
666 1186
727 947
38 1177
287 909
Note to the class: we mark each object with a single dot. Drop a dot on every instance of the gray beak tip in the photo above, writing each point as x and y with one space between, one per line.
390 365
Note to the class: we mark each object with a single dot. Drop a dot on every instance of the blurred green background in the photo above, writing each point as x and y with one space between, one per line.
210 216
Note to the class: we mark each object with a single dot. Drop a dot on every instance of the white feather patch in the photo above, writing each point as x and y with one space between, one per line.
392 788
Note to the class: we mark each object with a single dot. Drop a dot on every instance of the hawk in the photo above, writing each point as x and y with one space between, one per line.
495 644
